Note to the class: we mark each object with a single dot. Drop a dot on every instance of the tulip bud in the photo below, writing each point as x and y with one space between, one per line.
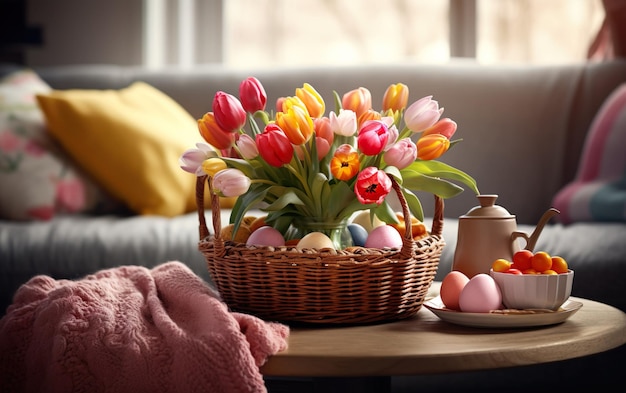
274 146
422 114
401 154
312 100
445 127
211 166
213 133
228 111
358 100
247 147
343 124
396 97
252 95
432 146
231 182
372 138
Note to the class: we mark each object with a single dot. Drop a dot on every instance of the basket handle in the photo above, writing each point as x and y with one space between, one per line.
215 208
437 225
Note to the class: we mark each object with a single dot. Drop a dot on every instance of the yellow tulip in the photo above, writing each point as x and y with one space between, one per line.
312 100
296 124
396 97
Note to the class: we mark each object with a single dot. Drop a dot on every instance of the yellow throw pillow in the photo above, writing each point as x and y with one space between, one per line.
130 141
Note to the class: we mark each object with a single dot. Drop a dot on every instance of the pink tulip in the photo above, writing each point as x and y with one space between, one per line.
228 111
343 124
422 114
372 186
373 136
192 159
252 95
247 147
274 146
445 127
231 182
401 154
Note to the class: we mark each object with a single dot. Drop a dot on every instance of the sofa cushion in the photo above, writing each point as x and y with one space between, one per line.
130 141
38 179
598 193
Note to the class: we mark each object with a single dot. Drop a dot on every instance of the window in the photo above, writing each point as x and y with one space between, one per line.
302 32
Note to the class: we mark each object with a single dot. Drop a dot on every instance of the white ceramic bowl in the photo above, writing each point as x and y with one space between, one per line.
548 291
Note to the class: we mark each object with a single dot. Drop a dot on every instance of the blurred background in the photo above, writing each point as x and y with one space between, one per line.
266 33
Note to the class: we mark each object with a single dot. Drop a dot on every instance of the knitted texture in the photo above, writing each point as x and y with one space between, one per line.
131 329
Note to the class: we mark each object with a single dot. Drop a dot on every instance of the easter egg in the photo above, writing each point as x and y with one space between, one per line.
451 287
316 240
363 219
266 236
480 294
358 233
384 236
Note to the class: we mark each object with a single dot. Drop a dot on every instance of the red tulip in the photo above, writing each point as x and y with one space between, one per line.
229 113
372 186
252 95
274 146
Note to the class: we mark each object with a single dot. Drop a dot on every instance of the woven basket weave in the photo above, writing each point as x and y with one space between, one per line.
353 286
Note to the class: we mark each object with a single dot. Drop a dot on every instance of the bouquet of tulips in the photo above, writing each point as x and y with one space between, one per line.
301 162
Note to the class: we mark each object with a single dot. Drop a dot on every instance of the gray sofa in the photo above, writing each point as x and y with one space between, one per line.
523 131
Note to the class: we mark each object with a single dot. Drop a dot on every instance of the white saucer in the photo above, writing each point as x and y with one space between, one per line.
502 319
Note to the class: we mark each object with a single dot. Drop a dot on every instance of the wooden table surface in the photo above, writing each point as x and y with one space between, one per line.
425 344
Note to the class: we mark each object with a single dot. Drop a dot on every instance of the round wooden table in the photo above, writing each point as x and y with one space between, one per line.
426 344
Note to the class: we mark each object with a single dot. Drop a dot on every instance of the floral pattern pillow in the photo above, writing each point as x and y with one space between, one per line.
37 179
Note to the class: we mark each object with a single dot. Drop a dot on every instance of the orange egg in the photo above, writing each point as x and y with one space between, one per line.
451 287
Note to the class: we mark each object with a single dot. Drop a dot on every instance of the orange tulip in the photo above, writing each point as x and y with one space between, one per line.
214 134
432 146
358 100
345 162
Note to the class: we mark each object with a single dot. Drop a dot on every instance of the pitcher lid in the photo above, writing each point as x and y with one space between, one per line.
488 208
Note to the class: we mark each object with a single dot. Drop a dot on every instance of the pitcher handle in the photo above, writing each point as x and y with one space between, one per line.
530 243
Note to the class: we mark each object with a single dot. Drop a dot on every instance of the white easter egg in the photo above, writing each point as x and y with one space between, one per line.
316 240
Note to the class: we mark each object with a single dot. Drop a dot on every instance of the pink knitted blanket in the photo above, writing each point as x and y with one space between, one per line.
131 329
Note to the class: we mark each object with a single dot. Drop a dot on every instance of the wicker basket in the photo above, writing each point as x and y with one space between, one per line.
353 286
